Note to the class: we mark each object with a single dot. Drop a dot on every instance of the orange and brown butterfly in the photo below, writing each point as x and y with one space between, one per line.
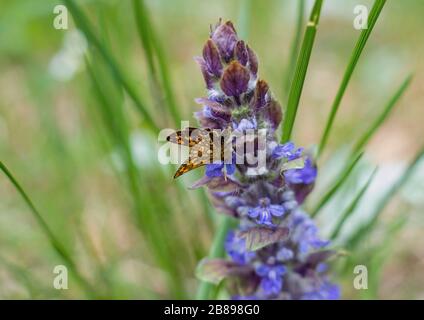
205 146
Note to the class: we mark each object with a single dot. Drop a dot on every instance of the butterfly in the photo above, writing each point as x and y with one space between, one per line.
205 146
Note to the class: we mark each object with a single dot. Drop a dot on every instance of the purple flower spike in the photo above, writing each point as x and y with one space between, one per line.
235 80
276 251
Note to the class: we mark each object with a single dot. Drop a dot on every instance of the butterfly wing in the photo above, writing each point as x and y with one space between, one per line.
200 154
187 166
188 137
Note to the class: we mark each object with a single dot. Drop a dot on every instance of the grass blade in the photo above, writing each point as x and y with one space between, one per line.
294 46
145 39
336 185
147 215
55 243
300 73
82 22
368 227
382 117
360 44
244 19
152 47
350 209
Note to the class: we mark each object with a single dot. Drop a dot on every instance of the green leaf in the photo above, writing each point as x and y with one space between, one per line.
342 177
357 51
82 22
259 237
300 73
362 232
362 141
351 208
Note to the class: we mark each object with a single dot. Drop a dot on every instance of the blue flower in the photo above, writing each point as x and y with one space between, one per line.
264 212
305 233
287 150
236 249
245 124
271 278
217 169
284 254
305 175
327 291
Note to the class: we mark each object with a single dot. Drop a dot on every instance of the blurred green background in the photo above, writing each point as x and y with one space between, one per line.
86 158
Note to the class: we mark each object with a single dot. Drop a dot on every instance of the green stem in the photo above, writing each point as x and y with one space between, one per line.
216 251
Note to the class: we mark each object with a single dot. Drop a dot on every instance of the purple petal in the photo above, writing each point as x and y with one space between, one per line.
276 210
260 98
306 175
207 121
253 61
225 38
287 151
206 75
273 114
214 170
235 80
246 124
284 254
262 270
265 217
215 109
241 53
282 150
255 212
212 58
230 168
